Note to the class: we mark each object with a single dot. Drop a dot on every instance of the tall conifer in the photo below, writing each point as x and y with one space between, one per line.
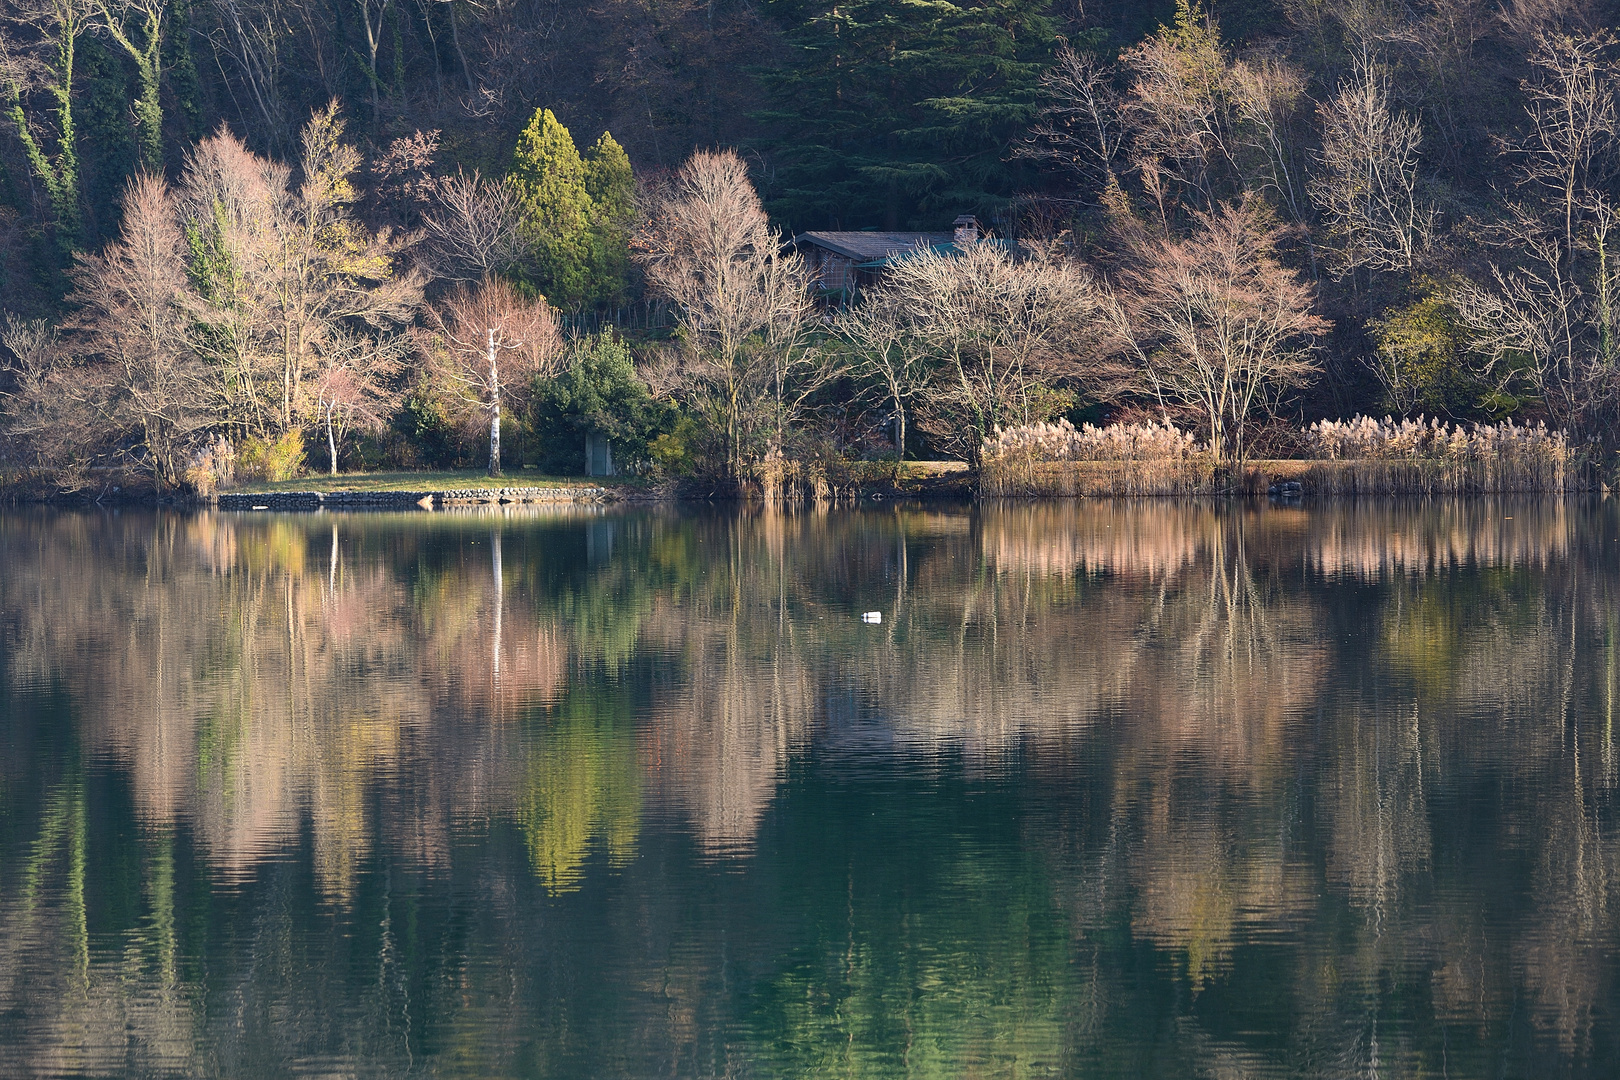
901 114
577 211
550 178
611 185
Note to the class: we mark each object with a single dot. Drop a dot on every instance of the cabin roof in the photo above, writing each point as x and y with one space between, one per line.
872 246
949 247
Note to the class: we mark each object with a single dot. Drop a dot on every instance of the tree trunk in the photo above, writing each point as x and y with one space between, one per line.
495 440
455 38
149 111
331 440
494 411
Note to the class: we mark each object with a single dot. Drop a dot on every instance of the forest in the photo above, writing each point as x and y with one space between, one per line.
253 238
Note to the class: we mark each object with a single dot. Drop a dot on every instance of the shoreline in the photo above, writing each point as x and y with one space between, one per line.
1285 480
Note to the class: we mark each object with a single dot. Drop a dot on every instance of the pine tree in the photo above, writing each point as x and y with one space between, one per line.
901 114
611 185
550 179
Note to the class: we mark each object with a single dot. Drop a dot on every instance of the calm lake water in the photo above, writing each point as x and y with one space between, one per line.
1113 789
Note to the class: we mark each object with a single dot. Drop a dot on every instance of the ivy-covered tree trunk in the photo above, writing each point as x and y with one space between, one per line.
59 24
138 30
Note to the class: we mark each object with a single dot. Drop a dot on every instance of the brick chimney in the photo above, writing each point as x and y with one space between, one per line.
967 229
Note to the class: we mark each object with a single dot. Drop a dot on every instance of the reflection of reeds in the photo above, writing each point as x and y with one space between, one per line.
1151 539
1368 540
1372 540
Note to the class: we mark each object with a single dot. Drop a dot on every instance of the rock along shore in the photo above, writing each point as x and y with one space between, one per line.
414 500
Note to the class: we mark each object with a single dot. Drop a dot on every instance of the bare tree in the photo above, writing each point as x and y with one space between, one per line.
477 228
134 310
1445 40
404 185
359 387
487 344
994 331
1527 19
373 14
1546 320
1215 324
744 302
1080 128
42 412
1179 105
1367 189
1541 324
254 38
1571 146
1267 92
879 330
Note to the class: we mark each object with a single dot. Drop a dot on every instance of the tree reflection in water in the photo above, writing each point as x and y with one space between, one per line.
1127 788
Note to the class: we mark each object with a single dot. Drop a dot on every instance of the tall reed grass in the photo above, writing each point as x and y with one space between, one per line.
1359 456
1431 456
1120 459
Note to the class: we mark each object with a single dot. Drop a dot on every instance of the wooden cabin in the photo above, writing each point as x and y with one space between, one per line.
844 262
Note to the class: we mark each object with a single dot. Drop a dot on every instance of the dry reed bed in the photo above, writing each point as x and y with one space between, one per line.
1361 456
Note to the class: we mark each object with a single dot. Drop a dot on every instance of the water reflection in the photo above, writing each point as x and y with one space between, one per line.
1113 788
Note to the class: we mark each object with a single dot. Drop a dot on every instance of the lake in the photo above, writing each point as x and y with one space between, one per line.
1112 790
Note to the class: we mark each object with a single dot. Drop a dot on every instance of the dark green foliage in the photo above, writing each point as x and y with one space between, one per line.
185 117
598 393
611 185
1424 352
425 423
900 115
108 153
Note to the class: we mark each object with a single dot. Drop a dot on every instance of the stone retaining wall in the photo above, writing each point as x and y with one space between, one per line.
406 500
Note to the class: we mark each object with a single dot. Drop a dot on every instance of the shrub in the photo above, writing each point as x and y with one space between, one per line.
675 453
429 437
261 459
599 393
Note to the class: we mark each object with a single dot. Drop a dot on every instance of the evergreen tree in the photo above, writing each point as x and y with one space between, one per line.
611 185
550 179
577 212
901 114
